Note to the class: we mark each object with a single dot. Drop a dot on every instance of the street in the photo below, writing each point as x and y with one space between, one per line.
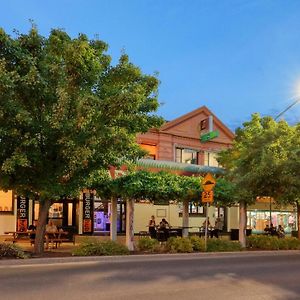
245 275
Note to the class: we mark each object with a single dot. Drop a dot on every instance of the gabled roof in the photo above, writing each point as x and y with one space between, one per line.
201 110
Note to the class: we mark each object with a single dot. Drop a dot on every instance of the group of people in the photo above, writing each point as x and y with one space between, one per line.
51 228
213 231
163 227
271 230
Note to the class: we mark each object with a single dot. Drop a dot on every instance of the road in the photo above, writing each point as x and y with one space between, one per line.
246 275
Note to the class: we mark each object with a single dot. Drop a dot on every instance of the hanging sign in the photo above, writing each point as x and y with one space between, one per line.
22 213
88 212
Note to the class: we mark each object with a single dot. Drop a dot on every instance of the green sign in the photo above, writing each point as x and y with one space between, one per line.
209 136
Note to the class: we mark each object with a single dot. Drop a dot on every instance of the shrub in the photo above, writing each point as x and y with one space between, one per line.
11 251
293 243
217 245
179 245
94 248
198 244
146 244
265 242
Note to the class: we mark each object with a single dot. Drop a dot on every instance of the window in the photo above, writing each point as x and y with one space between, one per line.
195 209
186 156
210 159
6 202
56 214
151 149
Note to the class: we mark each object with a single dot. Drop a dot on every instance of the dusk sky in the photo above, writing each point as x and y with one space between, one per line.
236 57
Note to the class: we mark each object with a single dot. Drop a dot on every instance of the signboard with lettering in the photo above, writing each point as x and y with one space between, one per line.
88 212
22 213
208 197
209 136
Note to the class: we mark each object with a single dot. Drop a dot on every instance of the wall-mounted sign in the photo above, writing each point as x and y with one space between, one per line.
22 213
209 136
88 212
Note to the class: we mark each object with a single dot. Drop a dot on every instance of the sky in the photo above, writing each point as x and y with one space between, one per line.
237 57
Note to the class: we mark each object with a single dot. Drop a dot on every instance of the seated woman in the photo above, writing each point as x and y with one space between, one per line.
51 230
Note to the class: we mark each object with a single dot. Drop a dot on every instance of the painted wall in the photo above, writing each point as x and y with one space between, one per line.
8 222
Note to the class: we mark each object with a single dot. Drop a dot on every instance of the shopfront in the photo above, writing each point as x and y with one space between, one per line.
102 216
258 219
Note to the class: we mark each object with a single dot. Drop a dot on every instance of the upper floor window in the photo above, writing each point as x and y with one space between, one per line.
151 149
6 202
187 156
210 159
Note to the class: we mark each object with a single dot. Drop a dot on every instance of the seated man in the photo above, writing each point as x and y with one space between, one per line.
267 230
164 227
32 229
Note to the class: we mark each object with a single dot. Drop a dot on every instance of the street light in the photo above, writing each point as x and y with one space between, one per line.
289 107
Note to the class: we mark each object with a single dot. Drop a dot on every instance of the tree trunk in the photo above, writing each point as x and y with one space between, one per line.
185 218
243 223
298 218
113 220
129 224
41 225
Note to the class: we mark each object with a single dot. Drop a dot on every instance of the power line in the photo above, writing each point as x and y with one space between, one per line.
290 106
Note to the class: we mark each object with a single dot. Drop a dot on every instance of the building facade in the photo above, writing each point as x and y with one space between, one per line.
177 144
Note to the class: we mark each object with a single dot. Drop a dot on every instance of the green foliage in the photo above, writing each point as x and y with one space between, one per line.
145 185
264 160
11 251
66 113
198 244
92 248
224 193
148 245
265 242
179 245
217 245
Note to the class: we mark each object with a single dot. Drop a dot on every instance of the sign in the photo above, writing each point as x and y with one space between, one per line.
209 136
208 182
265 200
88 212
208 197
22 213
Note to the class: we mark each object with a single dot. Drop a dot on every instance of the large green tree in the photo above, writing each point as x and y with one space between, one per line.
264 161
65 113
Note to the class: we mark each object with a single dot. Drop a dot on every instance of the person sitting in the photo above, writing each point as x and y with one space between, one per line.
267 230
273 230
51 230
280 232
164 227
31 230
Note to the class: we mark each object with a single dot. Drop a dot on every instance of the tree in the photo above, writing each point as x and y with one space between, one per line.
67 113
263 162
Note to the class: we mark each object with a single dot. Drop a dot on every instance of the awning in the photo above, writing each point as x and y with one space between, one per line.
171 165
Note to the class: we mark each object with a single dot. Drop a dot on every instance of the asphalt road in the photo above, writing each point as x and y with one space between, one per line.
262 275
